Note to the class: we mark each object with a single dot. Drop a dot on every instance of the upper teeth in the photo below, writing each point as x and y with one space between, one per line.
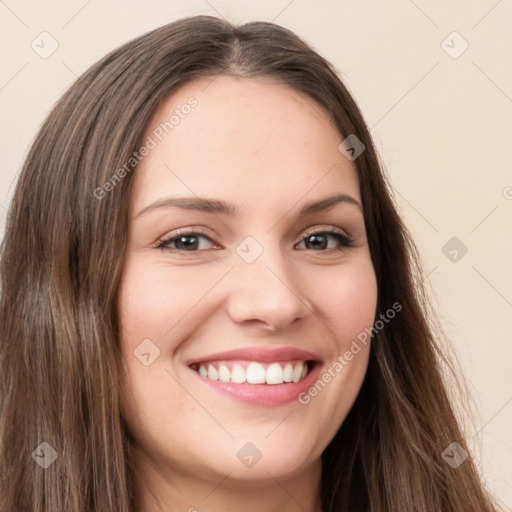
255 373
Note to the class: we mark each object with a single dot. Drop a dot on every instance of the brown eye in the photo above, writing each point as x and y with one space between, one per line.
319 241
187 242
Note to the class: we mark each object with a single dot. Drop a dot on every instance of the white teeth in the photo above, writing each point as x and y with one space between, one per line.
224 373
288 373
238 375
255 374
212 373
297 372
274 374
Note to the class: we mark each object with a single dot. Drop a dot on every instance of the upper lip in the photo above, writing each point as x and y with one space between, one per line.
264 355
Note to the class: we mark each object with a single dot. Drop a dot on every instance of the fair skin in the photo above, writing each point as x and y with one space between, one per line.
268 151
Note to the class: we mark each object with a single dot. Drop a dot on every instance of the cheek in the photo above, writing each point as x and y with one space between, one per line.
155 299
347 301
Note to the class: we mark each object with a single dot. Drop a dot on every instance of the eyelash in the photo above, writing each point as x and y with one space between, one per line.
344 241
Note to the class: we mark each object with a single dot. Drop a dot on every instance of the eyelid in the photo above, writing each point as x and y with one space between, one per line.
322 229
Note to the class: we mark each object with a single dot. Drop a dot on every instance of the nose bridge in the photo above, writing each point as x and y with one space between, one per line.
265 285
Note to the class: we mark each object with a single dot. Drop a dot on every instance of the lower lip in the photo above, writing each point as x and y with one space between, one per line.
267 395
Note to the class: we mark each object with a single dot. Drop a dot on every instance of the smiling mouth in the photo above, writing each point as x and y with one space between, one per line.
253 372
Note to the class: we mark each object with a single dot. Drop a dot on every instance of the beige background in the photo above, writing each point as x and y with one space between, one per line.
443 126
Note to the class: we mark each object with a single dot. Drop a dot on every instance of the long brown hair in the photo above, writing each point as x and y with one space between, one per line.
61 263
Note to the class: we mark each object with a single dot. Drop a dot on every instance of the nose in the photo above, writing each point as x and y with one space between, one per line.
266 293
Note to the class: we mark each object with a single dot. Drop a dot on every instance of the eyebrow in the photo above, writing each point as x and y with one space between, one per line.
216 206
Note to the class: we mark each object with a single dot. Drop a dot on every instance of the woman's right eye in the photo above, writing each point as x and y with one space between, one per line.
185 242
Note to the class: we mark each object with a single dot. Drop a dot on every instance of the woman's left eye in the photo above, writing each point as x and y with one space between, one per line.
319 240
316 241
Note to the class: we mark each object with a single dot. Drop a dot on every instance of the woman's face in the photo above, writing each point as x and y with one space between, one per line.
238 269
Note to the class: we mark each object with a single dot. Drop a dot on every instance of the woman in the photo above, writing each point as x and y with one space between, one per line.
209 300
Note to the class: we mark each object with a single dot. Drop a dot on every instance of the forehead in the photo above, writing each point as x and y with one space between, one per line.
237 137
